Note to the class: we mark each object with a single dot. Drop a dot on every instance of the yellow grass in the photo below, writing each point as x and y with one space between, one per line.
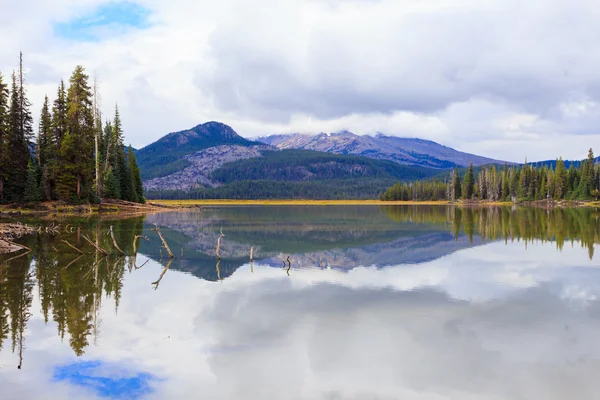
223 202
184 203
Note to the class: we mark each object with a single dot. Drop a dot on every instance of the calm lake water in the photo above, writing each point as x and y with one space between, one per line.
391 302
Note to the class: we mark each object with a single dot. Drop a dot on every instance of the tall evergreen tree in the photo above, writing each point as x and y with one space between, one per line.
4 135
469 182
560 186
80 126
20 136
45 149
67 178
58 132
33 192
457 184
138 188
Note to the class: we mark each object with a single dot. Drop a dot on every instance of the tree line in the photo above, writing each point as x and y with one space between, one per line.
514 183
526 224
74 157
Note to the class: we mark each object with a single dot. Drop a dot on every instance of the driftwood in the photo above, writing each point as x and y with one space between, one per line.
219 269
112 235
72 262
251 253
219 244
100 249
9 232
164 271
71 246
164 242
289 266
135 239
136 267
20 255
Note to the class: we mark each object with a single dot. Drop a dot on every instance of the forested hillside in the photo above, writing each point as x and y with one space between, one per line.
74 157
301 174
304 165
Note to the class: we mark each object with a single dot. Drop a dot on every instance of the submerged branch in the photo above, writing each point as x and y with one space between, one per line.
135 240
100 249
72 262
112 235
219 244
71 246
164 271
164 242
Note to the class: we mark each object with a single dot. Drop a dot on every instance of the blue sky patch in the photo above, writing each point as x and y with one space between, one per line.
108 381
106 20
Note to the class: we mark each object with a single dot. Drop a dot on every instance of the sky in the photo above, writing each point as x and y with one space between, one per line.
505 79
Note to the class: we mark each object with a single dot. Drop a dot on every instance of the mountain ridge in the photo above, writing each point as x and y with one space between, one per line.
404 151
166 155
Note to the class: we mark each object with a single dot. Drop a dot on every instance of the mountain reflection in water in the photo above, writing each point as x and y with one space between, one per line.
58 287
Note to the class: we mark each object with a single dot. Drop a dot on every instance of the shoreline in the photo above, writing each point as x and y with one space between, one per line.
123 208
471 203
105 208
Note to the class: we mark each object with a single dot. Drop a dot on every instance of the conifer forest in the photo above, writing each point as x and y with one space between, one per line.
514 183
76 155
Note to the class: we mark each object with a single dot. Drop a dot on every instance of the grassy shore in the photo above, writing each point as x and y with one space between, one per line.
191 203
188 203
106 207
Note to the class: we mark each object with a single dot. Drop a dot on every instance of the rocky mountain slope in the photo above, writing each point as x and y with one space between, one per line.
167 155
201 165
405 151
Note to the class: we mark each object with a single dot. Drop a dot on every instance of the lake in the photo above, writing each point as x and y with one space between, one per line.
340 302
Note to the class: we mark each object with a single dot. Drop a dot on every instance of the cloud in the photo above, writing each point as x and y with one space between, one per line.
506 79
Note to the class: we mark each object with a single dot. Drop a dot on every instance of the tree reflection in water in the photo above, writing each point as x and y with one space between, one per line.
73 276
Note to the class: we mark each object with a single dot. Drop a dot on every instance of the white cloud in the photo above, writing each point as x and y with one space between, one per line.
505 79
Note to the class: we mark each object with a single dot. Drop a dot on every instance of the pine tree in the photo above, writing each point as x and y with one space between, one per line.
80 126
20 136
45 149
111 186
590 178
505 193
137 178
4 135
66 180
125 179
457 184
58 132
560 187
59 116
469 183
33 192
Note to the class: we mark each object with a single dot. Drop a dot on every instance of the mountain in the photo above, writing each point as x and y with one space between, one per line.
166 155
212 161
404 151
